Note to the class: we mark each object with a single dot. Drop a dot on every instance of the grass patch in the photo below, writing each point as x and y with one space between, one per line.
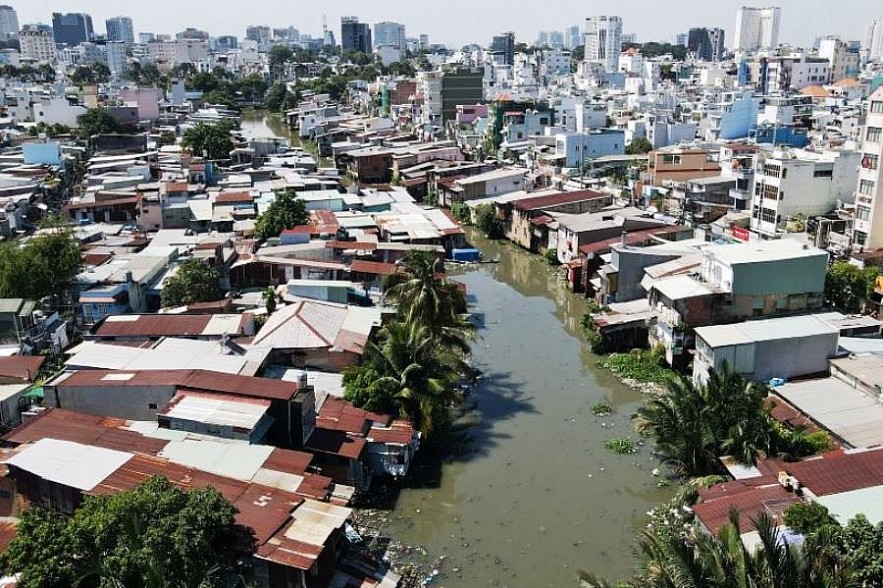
620 445
602 409
641 365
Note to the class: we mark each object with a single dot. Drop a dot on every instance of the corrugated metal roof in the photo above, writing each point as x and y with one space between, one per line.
216 409
845 506
791 327
22 367
68 463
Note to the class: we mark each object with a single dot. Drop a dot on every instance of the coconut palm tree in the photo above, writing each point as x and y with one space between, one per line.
694 425
705 561
421 296
409 371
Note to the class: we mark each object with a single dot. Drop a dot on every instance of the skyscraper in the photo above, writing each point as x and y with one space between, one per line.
573 37
708 44
603 40
119 28
868 227
503 47
873 44
390 34
757 28
72 28
355 35
8 23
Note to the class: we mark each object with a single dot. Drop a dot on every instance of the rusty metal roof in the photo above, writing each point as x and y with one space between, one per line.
540 202
153 325
21 367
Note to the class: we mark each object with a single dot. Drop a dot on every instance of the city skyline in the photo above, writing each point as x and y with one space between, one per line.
802 21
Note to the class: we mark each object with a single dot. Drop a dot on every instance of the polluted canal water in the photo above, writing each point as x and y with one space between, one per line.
534 496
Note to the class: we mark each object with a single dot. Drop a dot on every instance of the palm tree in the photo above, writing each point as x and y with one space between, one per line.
409 371
421 296
675 561
695 425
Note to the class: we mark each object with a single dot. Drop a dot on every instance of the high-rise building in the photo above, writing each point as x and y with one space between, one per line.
873 44
556 39
355 35
543 39
680 39
573 37
757 28
119 28
72 28
37 45
603 41
868 225
503 48
708 44
116 57
844 62
8 23
392 36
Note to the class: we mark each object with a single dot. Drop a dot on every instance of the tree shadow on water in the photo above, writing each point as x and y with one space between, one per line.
473 432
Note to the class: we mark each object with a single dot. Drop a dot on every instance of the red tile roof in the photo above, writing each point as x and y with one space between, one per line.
749 501
558 199
21 367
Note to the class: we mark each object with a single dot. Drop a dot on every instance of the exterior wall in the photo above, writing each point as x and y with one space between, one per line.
869 195
761 361
137 403
681 166
630 266
789 276
57 111
581 147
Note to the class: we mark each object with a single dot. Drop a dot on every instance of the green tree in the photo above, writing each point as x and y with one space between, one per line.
849 287
487 221
100 72
42 267
697 560
269 298
807 517
209 141
639 145
195 281
184 70
97 121
402 68
862 544
693 425
154 535
285 212
409 370
83 75
276 97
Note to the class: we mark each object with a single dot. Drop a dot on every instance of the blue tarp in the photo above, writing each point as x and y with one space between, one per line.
469 254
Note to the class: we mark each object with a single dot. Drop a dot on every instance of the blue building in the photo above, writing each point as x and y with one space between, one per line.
739 116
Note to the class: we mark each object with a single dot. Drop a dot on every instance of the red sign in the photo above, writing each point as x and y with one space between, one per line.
740 233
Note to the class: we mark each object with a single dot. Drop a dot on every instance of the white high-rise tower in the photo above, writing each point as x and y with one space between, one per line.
603 40
757 28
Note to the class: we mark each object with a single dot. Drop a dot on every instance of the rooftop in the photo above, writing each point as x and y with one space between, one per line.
215 409
791 327
763 251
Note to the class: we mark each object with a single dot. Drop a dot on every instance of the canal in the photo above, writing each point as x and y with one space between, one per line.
535 496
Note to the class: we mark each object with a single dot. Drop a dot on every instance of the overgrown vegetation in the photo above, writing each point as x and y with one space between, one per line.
461 212
645 366
807 517
487 221
602 409
620 445
551 257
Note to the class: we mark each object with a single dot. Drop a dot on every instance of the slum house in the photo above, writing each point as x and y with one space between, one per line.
527 222
736 282
317 334
61 457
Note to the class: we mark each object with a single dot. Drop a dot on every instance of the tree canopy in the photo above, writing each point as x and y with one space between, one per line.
97 73
195 281
154 535
285 212
97 121
638 146
42 266
211 141
849 287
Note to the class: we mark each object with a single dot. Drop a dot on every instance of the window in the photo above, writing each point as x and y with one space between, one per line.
771 170
862 213
823 173
860 238
671 159
866 187
870 161
771 192
768 215
873 134
877 107
152 406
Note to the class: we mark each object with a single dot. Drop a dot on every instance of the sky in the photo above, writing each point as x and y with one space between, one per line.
458 22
